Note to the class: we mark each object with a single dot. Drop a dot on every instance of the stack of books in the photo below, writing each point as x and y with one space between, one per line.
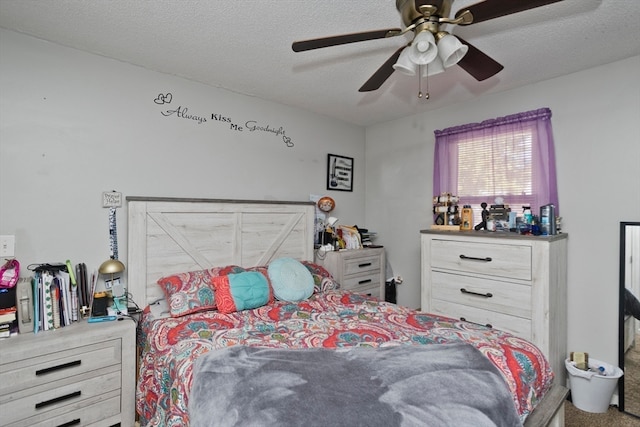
367 237
8 315
59 296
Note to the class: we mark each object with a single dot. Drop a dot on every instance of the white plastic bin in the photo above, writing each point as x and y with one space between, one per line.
591 391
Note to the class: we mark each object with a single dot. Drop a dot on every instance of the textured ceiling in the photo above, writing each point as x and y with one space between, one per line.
245 46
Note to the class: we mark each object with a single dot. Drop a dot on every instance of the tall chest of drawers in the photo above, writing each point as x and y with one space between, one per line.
507 281
79 375
358 270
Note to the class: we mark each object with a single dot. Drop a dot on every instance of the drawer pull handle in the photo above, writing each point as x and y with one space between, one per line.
71 423
488 325
366 264
487 295
58 367
364 281
472 258
58 399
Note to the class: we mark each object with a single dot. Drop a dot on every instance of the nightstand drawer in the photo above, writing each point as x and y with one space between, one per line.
58 396
97 411
504 297
515 325
362 264
372 291
500 260
362 281
34 371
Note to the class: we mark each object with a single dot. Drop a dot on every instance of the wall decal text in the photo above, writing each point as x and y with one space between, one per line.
250 126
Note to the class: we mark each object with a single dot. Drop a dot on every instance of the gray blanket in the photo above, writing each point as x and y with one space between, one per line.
436 385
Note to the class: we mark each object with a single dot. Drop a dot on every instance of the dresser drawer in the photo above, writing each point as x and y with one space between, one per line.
96 411
361 264
513 324
493 295
59 396
49 367
500 260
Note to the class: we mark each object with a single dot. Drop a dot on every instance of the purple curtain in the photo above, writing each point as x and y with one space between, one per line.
536 122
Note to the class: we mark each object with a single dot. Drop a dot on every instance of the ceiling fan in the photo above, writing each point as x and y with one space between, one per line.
429 42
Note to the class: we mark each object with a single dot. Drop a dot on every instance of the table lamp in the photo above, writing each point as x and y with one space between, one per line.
113 267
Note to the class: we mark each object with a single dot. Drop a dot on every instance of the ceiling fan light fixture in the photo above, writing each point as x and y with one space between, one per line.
404 63
423 19
433 68
423 48
451 50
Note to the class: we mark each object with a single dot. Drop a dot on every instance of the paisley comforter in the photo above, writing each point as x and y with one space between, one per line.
334 319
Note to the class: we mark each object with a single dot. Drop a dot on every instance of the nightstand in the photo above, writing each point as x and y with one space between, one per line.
82 374
357 270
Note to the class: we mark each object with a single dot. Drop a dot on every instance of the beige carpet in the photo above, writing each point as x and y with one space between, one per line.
632 378
575 417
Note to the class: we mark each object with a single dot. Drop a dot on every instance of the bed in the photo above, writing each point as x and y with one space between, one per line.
189 367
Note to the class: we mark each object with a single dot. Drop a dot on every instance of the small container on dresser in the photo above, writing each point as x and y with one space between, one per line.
357 270
82 374
507 281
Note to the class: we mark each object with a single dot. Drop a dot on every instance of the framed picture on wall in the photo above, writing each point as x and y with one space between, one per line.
339 173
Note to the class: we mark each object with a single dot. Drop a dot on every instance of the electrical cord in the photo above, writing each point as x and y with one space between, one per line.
131 311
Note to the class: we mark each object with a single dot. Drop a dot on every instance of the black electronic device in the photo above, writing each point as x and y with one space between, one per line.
485 216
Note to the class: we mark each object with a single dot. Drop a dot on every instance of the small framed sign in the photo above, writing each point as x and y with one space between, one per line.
339 173
111 199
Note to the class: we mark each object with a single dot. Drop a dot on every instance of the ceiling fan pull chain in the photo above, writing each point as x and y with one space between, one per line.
426 95
420 94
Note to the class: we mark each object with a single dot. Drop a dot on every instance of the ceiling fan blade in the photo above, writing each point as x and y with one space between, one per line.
310 44
490 9
382 74
478 64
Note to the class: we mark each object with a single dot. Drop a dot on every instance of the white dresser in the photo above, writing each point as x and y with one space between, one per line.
357 270
79 375
506 281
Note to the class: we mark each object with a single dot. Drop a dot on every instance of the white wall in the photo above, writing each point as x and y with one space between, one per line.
73 125
596 123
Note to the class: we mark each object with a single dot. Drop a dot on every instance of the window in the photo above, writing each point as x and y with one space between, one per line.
510 157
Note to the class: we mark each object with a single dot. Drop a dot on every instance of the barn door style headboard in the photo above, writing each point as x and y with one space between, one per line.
175 235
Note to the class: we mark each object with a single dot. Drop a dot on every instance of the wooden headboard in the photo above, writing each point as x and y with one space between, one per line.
174 235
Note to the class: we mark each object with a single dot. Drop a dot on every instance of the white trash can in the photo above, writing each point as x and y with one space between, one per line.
590 391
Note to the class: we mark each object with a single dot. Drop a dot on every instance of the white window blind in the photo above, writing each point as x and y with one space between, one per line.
495 165
510 157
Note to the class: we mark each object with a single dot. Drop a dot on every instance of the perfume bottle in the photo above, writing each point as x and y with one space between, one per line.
467 218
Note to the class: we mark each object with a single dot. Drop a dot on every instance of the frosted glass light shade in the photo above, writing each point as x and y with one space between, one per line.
404 63
432 68
423 48
450 50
